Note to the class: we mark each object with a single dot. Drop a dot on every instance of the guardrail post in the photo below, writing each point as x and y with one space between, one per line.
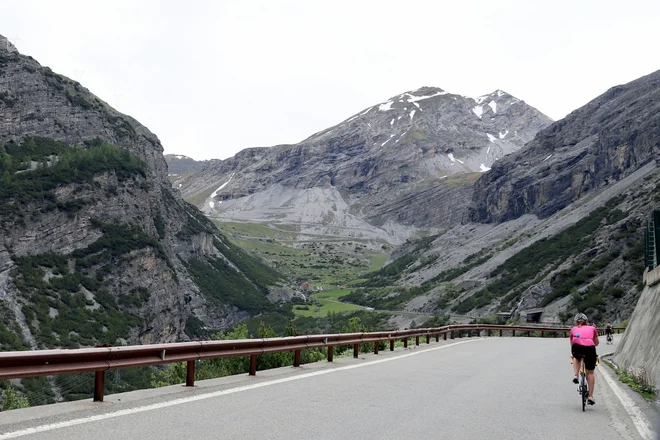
190 374
529 333
428 339
99 385
331 352
451 334
405 342
391 344
416 340
253 365
445 336
542 334
500 332
376 347
356 350
296 358
437 337
513 333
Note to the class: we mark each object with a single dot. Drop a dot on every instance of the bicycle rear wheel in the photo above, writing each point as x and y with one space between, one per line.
584 390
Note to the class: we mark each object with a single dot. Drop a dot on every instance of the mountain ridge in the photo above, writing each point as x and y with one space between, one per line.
365 172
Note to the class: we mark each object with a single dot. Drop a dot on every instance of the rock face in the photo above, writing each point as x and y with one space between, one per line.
93 237
604 141
403 164
639 346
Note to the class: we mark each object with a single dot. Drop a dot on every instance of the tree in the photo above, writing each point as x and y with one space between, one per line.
13 399
291 330
354 326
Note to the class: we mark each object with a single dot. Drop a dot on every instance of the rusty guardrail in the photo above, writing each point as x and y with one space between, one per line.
19 364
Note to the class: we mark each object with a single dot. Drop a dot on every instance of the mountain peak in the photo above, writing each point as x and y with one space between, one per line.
6 45
426 90
496 95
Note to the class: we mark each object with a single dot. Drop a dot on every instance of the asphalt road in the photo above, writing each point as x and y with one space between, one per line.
493 388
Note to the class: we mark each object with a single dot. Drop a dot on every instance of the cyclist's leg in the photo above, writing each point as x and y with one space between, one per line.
576 366
577 359
591 381
590 366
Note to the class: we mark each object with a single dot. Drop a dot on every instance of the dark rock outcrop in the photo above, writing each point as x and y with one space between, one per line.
604 141
179 164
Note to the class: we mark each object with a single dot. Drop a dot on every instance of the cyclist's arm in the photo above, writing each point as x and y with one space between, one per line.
596 342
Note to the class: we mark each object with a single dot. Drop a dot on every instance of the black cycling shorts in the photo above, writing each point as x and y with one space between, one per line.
586 352
608 331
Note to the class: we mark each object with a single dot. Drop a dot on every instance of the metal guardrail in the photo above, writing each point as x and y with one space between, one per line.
19 364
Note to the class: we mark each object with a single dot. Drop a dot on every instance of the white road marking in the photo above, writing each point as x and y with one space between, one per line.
639 420
125 412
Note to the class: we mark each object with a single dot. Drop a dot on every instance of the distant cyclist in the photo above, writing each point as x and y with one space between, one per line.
608 331
584 339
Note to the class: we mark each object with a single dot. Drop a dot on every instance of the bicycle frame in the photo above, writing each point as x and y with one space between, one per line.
583 386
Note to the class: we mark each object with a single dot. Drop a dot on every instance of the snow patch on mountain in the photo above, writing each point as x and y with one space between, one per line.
386 106
383 144
215 193
413 98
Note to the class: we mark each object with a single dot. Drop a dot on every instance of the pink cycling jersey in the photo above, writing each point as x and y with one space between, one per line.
584 335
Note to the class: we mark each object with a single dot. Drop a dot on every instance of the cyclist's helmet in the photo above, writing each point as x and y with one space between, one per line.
581 318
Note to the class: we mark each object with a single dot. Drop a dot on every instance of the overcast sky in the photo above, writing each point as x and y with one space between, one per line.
213 77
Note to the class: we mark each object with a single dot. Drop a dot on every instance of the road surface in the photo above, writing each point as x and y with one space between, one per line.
489 388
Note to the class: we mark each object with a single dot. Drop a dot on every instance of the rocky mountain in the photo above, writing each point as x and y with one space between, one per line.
95 245
602 142
179 164
387 172
552 229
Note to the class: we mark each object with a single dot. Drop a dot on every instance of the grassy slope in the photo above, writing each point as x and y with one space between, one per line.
303 258
329 302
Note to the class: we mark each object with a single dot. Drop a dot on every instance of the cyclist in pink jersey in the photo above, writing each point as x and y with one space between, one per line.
584 340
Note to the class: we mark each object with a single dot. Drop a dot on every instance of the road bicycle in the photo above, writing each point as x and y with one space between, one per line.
610 339
583 386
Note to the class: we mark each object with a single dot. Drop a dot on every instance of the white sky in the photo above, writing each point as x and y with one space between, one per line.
213 77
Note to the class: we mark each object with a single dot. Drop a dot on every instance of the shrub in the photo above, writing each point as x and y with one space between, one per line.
12 399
